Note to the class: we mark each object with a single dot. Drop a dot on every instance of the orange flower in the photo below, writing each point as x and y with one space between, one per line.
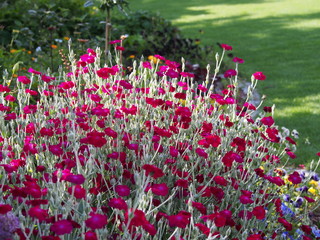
54 46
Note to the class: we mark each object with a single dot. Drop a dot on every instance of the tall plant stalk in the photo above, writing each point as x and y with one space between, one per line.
108 29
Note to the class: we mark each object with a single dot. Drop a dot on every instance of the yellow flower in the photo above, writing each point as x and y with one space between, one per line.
15 75
66 38
153 59
183 102
312 190
314 183
13 50
132 56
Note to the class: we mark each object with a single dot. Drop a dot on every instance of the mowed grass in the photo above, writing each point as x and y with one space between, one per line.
279 37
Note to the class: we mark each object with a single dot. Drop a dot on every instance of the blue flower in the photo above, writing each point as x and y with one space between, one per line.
287 211
315 231
286 197
315 177
302 189
298 202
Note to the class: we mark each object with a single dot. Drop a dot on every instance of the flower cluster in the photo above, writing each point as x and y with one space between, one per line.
149 155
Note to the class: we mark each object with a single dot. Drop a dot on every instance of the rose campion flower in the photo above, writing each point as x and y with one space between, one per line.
96 221
38 213
61 227
24 80
226 47
122 190
295 178
259 76
160 189
285 223
118 203
90 235
180 220
238 60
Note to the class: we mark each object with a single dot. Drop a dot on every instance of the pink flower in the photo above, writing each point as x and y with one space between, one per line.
238 60
295 178
259 76
120 48
201 152
118 203
122 190
200 207
10 98
96 138
291 154
61 227
75 178
115 41
5 208
226 47
181 220
255 237
203 228
147 65
202 88
259 212
268 121
245 199
285 223
77 191
220 180
39 213
229 73
96 221
152 170
148 227
160 189
31 70
24 80
90 235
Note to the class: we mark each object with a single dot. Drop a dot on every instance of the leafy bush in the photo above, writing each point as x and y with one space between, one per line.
149 155
45 28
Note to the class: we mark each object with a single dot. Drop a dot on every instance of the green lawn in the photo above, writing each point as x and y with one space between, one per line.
279 37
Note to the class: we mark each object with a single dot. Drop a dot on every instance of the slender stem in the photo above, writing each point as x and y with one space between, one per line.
108 28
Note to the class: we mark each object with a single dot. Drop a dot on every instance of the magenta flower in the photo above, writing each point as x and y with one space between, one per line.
90 235
259 212
285 223
39 213
75 178
160 189
229 73
118 203
259 76
77 191
147 65
238 60
268 121
295 178
24 80
245 199
96 221
181 220
122 190
31 70
226 47
61 227
115 41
